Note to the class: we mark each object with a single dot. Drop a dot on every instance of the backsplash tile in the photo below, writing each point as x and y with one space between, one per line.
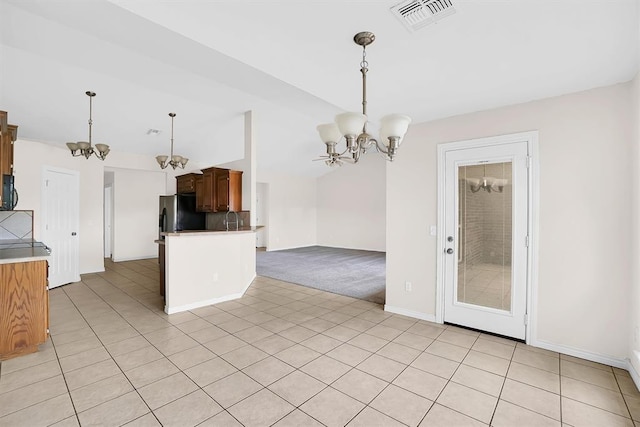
16 225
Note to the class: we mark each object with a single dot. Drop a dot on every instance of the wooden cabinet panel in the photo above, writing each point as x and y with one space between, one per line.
8 134
199 185
24 301
221 190
186 184
207 190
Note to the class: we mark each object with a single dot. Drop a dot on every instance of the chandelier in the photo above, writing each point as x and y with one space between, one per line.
84 148
353 126
173 160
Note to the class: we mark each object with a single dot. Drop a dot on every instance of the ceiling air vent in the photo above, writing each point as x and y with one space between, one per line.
416 14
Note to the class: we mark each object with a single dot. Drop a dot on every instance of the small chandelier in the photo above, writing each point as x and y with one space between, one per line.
353 126
173 160
84 148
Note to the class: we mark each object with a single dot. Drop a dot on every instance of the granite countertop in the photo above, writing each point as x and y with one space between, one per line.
212 232
23 250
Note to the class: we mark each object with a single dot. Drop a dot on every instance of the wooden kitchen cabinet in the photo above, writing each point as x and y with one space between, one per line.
221 191
24 298
186 184
8 135
199 184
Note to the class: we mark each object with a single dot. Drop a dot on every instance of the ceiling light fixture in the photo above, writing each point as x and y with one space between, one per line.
84 148
353 126
173 160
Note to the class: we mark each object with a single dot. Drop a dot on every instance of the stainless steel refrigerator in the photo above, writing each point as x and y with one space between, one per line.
178 213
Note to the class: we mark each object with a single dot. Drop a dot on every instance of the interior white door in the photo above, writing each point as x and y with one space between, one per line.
60 224
486 226
108 197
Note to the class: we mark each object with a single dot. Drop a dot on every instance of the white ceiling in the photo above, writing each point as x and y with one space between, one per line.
293 63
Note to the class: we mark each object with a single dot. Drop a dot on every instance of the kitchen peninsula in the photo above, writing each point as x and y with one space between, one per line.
207 267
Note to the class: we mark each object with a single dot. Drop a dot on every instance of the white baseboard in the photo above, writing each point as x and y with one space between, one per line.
211 301
410 313
138 258
631 368
582 354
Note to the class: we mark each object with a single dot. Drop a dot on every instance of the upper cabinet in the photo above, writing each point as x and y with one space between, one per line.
186 183
217 190
8 135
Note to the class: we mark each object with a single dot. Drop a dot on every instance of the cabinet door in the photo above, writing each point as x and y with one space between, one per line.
23 297
199 186
207 191
235 191
186 183
222 190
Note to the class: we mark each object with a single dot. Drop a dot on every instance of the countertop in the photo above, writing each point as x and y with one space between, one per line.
23 250
210 232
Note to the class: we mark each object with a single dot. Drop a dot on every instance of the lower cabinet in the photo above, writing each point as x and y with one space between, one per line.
24 298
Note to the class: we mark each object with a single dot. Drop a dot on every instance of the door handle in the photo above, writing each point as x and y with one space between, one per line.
73 233
449 250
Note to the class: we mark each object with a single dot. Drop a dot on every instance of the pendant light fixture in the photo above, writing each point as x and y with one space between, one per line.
173 160
353 126
84 148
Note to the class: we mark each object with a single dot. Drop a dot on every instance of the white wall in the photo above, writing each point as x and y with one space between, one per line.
135 213
30 157
585 213
634 318
351 204
291 211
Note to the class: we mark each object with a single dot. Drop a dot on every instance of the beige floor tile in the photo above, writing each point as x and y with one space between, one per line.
470 402
360 385
42 356
30 395
435 365
578 414
44 413
370 417
421 383
414 341
167 390
115 412
399 353
79 346
268 370
244 356
127 346
621 372
593 395
277 325
86 358
273 344
448 351
325 369
253 334
382 367
261 408
385 332
349 354
176 345
164 334
119 335
588 374
223 419
154 371
457 338
147 420
210 371
132 360
627 386
429 330
99 392
225 344
332 408
297 355
509 415
208 334
191 357
297 387
494 348
232 389
584 362
193 325
487 362
633 403
368 342
399 322
321 343
537 360
297 418
189 410
532 398
440 416
24 377
67 422
478 379
358 324
501 340
342 333
536 377
402 405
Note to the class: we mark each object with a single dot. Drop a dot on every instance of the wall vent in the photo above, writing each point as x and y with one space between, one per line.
417 14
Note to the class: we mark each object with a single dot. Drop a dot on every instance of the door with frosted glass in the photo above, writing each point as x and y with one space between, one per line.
485 253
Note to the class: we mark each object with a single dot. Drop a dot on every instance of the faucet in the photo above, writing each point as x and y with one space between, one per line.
226 219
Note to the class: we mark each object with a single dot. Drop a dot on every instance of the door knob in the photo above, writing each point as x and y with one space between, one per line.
449 251
73 233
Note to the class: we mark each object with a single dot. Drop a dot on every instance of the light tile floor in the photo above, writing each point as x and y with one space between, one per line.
286 355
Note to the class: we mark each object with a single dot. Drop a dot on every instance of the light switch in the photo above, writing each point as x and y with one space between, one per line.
433 230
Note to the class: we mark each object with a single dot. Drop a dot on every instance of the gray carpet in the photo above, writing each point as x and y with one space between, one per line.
355 273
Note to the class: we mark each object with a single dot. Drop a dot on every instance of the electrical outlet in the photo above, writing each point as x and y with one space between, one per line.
407 286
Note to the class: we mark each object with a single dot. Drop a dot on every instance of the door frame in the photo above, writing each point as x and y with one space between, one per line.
531 138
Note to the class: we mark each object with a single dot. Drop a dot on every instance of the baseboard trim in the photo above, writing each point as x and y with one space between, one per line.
138 258
211 301
403 311
582 354
631 368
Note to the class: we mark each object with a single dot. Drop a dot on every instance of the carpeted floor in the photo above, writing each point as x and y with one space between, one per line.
355 273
